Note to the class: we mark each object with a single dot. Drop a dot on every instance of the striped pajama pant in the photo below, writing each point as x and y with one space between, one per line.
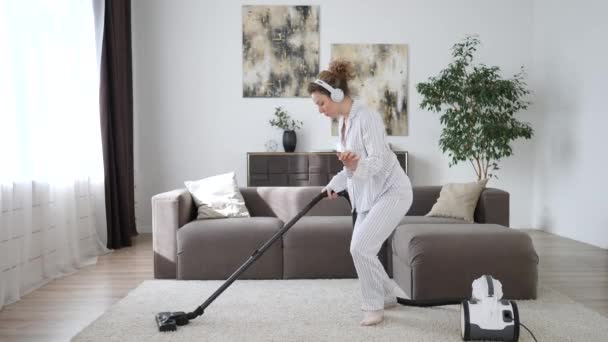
371 229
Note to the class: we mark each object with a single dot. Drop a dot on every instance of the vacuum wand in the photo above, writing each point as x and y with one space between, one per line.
168 321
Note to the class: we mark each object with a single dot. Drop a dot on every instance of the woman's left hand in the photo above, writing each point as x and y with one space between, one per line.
349 159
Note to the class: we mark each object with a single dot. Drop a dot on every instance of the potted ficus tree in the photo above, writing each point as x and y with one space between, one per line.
283 120
477 108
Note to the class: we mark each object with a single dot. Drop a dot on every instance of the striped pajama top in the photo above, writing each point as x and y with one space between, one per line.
378 171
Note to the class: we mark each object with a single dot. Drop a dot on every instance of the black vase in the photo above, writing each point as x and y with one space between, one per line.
289 141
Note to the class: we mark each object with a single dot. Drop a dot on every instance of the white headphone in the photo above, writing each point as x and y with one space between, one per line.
336 94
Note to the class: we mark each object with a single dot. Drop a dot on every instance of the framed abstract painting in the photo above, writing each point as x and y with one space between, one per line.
280 50
380 81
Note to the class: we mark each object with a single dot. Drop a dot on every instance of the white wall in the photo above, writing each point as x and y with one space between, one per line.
571 74
191 120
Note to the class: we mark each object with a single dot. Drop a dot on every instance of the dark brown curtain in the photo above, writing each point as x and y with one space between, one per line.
116 104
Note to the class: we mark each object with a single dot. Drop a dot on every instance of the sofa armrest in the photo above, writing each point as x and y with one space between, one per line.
493 207
170 211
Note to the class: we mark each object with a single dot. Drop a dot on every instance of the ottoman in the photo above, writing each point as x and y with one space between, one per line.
433 261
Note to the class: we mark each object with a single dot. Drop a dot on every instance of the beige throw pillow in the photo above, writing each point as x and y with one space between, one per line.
218 197
458 200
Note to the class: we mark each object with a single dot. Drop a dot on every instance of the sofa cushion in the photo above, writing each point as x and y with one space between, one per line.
319 247
429 219
414 243
214 249
217 197
286 202
458 200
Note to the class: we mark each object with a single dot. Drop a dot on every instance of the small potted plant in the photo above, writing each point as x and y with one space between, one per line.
289 126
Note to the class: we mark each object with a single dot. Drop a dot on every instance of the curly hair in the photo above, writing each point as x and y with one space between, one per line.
337 75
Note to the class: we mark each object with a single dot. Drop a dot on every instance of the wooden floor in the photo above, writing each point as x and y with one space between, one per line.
59 310
573 268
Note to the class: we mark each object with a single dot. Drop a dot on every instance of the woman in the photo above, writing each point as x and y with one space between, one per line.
379 189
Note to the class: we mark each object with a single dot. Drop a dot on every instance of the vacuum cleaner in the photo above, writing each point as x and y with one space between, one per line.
485 316
168 321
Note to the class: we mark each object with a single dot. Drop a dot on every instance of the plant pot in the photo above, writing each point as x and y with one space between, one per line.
289 141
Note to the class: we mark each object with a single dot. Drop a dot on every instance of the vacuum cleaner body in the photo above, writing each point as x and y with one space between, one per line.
486 316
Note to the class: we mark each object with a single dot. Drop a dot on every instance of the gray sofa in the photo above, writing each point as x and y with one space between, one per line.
317 246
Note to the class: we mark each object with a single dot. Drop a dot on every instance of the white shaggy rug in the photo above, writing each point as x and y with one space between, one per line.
315 310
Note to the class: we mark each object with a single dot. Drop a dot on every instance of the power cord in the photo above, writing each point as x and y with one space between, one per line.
534 337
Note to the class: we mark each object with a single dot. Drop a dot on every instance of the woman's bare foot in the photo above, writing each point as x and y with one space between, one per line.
372 317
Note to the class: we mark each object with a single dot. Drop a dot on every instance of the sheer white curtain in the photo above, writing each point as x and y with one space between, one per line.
51 167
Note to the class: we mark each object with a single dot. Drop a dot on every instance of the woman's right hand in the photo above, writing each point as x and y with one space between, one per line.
330 193
349 159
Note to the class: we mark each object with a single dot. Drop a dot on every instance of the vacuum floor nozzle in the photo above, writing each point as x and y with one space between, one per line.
168 321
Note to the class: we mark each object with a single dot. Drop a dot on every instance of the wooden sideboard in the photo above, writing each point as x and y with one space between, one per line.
297 168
